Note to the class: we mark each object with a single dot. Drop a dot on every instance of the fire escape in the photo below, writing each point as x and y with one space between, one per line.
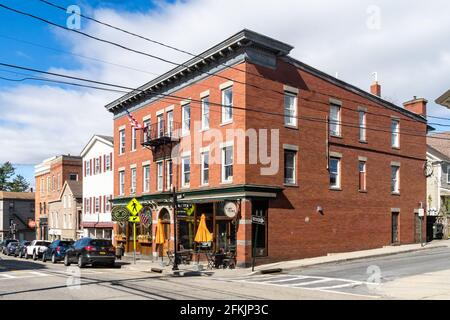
161 138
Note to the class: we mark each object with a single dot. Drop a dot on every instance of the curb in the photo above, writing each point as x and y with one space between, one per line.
258 272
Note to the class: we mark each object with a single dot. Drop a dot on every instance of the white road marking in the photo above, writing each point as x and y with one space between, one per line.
308 283
40 274
7 276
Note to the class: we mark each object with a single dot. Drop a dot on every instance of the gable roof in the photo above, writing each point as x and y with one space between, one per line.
242 39
108 140
76 187
444 100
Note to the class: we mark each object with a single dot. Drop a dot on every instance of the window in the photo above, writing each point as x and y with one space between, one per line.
290 109
395 179
107 162
49 184
160 123
205 167
42 185
289 167
97 166
227 164
97 204
362 176
395 126
122 141
170 123
121 183
88 168
335 120
73 177
160 175
146 130
448 173
335 173
205 113
146 175
69 202
227 105
133 180
108 204
362 126
186 119
59 181
186 171
53 183
133 139
169 174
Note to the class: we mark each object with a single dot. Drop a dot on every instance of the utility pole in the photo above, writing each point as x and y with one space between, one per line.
175 223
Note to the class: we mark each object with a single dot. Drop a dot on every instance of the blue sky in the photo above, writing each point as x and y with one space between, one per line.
39 120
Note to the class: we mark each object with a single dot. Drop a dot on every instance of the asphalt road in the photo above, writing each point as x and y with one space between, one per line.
418 275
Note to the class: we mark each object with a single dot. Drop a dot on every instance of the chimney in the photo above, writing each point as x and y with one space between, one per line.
375 89
417 105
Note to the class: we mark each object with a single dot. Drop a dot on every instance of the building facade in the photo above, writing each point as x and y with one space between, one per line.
98 187
50 176
65 213
444 100
17 215
248 131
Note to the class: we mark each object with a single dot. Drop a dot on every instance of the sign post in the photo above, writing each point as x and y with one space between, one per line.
134 207
257 220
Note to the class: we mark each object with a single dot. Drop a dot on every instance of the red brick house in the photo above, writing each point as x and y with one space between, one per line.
343 169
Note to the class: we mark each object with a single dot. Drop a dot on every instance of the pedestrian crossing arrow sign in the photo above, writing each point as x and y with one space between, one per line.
134 207
135 219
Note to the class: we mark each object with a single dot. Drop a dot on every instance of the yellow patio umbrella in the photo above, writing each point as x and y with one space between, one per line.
159 239
203 235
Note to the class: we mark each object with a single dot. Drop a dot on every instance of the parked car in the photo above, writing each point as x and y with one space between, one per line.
36 249
20 250
56 250
90 251
11 248
6 243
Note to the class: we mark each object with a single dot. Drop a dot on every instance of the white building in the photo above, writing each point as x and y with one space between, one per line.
98 187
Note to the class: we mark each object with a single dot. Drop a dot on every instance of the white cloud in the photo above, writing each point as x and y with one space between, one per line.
409 52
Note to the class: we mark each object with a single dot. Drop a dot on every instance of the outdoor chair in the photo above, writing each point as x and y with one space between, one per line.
211 260
171 257
230 260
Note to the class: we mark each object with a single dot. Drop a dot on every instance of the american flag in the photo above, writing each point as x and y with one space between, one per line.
134 123
144 216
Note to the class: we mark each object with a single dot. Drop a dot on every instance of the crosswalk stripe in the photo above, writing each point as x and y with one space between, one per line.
40 274
8 276
308 283
339 286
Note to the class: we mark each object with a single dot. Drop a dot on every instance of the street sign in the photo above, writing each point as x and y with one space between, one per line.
134 219
134 207
258 220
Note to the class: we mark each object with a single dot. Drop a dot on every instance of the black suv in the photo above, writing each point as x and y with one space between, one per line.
90 251
20 250
5 244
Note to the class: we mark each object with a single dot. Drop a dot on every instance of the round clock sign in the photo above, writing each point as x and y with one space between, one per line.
230 209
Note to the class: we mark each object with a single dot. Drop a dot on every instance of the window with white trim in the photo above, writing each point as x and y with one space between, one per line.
186 171
133 181
362 125
146 180
290 109
227 105
335 172
186 119
121 183
205 167
362 176
160 175
169 174
227 164
97 204
160 124
108 204
395 137
170 127
205 113
133 138
335 120
88 168
395 179
122 141
290 160
97 166
147 127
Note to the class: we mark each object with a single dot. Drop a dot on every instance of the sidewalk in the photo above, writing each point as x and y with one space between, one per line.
147 265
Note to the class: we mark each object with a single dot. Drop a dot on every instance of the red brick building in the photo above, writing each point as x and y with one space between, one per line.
50 175
341 169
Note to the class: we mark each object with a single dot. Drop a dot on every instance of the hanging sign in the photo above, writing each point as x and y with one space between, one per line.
119 214
230 209
258 220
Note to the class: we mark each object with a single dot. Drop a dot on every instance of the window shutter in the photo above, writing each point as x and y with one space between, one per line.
99 204
104 204
100 164
85 168
104 163
90 165
111 160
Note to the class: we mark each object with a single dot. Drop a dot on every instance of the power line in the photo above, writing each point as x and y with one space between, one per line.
259 111
201 57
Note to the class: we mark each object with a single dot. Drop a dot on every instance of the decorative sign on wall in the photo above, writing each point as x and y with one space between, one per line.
230 209
120 214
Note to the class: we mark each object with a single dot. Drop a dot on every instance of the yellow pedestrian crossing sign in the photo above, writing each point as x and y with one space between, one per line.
135 219
134 207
